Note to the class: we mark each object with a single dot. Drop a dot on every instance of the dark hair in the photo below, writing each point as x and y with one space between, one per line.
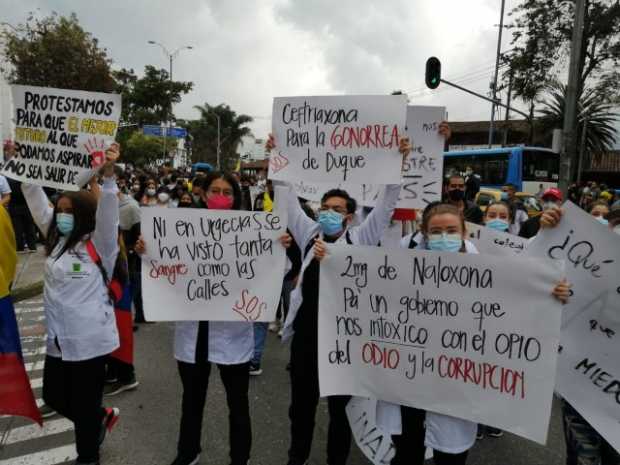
510 208
84 205
230 179
511 186
450 178
351 203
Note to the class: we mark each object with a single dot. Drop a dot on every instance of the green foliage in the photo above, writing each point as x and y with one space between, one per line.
592 107
542 33
149 99
140 149
56 52
204 133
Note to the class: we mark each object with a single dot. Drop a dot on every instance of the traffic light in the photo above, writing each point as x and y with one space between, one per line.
433 72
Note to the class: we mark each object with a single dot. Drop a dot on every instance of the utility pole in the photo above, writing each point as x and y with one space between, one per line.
506 120
582 149
569 149
497 58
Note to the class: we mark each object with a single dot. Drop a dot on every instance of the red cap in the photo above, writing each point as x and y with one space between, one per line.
554 193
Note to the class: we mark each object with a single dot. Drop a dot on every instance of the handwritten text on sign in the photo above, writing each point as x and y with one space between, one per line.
490 241
211 265
336 139
463 335
61 135
592 255
422 171
589 367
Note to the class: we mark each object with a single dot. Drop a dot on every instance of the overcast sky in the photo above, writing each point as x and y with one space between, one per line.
247 52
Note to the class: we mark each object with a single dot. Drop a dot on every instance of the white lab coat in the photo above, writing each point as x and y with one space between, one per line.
304 229
80 316
443 433
230 342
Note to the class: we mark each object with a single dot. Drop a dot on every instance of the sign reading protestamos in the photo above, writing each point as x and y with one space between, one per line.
463 335
61 135
338 139
211 265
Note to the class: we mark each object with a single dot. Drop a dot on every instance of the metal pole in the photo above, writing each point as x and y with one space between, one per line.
582 149
218 140
506 121
570 116
499 52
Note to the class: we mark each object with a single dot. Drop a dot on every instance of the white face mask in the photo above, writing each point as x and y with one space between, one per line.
163 197
151 192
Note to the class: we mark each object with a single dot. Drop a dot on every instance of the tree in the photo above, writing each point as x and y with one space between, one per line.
149 99
142 150
204 133
541 39
591 107
56 52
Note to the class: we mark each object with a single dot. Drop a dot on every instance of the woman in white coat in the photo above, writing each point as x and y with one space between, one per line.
81 327
228 344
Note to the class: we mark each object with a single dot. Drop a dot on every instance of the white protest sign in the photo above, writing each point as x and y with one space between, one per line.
211 265
592 254
422 171
458 334
61 135
589 367
338 139
490 241
375 443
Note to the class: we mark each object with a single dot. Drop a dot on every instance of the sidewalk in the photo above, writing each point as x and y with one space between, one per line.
28 280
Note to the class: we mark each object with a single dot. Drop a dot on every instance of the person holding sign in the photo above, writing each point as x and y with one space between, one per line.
333 226
443 230
81 327
228 344
584 444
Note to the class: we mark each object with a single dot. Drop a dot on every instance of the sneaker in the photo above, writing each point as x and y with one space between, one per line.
111 379
180 460
274 326
494 432
120 386
255 370
109 420
47 411
479 435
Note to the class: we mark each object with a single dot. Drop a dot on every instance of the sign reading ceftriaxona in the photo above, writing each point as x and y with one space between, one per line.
60 135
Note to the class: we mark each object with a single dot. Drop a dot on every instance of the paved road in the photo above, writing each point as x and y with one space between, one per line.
147 432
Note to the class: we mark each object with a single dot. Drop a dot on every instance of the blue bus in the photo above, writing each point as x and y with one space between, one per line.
525 167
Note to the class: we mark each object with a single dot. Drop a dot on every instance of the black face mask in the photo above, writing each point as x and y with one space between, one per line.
456 195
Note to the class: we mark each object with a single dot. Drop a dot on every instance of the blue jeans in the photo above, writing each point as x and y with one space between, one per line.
260 336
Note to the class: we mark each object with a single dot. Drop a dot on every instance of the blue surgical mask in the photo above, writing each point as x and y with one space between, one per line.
332 223
498 225
64 222
445 242
602 220
504 196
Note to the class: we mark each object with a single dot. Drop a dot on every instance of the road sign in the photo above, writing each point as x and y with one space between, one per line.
161 131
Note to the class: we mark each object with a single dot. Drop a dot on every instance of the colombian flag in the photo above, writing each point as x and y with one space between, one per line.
16 397
124 321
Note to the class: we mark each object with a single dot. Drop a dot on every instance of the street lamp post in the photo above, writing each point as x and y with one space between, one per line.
217 117
171 57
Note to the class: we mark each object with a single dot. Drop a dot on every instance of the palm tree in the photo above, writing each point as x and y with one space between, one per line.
204 130
592 107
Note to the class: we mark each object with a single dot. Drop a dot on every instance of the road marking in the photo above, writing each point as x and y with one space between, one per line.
34 366
36 383
46 457
25 433
30 318
20 310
